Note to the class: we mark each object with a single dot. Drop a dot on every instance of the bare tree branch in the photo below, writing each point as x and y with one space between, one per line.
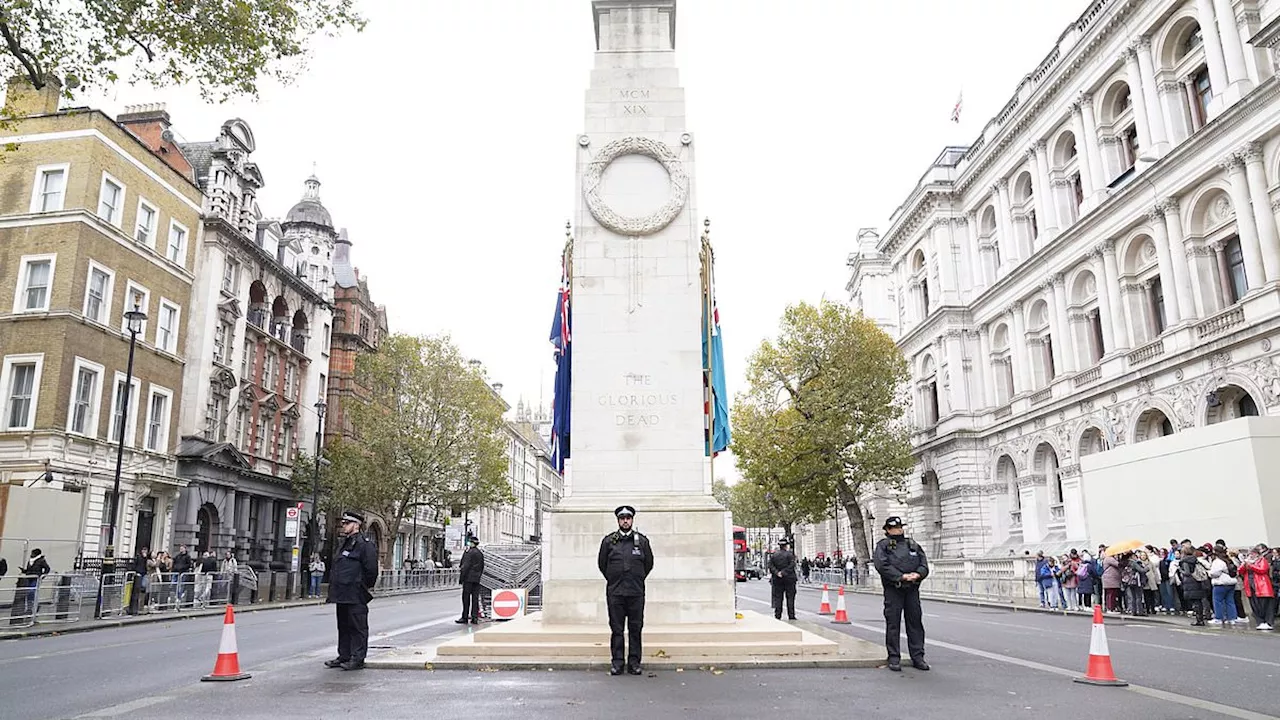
24 56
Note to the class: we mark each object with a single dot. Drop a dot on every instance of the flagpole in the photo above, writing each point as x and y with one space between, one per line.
708 260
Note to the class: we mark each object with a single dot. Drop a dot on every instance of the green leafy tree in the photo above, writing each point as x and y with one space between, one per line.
428 432
748 505
223 47
822 419
720 491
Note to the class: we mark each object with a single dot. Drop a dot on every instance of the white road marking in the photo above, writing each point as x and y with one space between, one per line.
128 707
1064 672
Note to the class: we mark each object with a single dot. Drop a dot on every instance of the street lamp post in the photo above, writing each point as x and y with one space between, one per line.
313 532
133 322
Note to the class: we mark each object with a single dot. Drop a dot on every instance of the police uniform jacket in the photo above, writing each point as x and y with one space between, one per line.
354 571
894 557
783 561
625 561
471 569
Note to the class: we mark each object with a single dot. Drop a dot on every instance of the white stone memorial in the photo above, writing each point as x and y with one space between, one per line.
637 400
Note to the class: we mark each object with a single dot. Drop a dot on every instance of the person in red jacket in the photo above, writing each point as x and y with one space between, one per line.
1255 571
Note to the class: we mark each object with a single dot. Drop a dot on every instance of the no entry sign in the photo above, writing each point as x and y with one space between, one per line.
508 604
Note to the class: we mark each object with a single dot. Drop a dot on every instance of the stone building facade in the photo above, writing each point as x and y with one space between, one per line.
1099 267
97 216
257 354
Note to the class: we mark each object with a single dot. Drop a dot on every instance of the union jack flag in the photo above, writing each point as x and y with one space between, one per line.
561 338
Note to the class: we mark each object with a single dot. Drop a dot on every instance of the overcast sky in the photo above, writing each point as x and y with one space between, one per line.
444 138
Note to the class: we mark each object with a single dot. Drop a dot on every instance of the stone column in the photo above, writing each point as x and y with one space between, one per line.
969 258
1153 310
1109 298
1232 47
986 378
1133 71
959 396
1091 144
1018 348
1213 45
1178 253
941 236
1004 221
1260 198
1224 272
1173 314
1155 115
1046 212
1246 226
1173 101
1193 104
1063 344
1083 157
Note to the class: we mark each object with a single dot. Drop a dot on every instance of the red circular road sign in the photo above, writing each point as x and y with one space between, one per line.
506 604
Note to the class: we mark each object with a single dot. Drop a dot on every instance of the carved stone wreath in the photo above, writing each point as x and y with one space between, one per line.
622 224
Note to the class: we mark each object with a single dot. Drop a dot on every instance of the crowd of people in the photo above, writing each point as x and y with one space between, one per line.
1210 583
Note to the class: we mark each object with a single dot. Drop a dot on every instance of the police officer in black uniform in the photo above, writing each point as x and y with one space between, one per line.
470 572
625 561
352 576
782 573
902 566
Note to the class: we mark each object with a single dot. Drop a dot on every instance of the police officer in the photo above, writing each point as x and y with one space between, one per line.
782 573
625 561
470 571
352 576
902 566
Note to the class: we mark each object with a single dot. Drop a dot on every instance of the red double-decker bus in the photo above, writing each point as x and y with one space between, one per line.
740 553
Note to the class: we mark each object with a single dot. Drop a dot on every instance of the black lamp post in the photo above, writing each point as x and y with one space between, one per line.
314 531
133 321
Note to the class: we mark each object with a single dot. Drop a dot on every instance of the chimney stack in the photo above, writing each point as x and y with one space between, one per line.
145 113
22 98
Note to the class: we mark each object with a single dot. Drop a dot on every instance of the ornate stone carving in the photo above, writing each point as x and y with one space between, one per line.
1142 43
1169 205
1002 183
1086 406
1077 317
1027 481
1130 54
1232 163
1060 182
1266 374
1177 374
1195 251
1109 141
1248 18
1221 210
1251 151
1145 386
1155 214
1040 422
1275 205
1166 88
1149 253
1220 359
959 221
1015 306
1265 344
660 218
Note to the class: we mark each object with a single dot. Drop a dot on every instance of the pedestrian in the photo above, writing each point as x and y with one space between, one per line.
182 569
782 574
902 566
317 574
1255 571
1224 589
805 568
470 570
1193 577
23 610
355 572
205 571
625 560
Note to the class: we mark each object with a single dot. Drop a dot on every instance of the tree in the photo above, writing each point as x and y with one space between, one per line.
223 47
747 503
720 491
825 400
429 432
766 446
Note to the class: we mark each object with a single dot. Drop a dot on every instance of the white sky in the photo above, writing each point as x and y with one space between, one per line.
444 138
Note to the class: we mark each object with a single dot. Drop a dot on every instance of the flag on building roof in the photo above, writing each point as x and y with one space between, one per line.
713 360
561 341
955 111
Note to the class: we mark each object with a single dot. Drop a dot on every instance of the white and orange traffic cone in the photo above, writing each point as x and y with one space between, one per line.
841 617
825 608
1099 671
227 667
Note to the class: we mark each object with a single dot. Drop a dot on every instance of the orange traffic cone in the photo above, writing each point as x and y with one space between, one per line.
841 617
1099 671
825 608
227 667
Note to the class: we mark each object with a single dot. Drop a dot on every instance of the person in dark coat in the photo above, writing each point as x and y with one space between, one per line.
782 573
352 576
902 567
24 598
469 573
1193 575
625 560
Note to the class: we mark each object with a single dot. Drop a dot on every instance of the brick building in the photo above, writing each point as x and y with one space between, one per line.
99 216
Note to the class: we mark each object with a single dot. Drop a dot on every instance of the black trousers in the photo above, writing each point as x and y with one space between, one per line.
471 601
899 602
353 631
784 588
628 609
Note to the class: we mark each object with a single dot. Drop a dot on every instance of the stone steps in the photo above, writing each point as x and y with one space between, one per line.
675 651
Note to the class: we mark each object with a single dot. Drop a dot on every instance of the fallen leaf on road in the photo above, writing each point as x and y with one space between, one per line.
660 653
717 672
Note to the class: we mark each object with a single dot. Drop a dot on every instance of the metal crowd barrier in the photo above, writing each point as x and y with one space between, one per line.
395 582
166 592
117 592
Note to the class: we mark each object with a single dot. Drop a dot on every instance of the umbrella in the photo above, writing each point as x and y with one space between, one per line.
1124 546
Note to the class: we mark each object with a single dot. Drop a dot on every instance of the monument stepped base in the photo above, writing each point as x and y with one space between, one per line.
754 641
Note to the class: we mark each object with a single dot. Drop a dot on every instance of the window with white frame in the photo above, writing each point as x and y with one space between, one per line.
167 326
111 200
118 414
157 438
49 192
230 276
222 337
290 371
326 337
35 283
177 249
145 228
135 296
20 383
86 398
97 292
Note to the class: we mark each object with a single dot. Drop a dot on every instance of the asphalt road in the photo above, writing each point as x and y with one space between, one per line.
988 665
